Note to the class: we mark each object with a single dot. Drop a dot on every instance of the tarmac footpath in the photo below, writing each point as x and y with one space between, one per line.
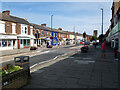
81 70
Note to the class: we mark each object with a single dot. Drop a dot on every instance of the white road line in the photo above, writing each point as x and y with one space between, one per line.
87 58
46 51
33 66
55 57
44 62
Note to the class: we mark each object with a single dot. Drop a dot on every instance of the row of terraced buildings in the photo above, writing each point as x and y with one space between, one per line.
17 33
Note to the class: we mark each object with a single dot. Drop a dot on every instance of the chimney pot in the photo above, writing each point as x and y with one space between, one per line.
6 12
44 25
59 28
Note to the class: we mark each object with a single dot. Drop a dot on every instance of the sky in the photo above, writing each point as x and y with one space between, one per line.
84 16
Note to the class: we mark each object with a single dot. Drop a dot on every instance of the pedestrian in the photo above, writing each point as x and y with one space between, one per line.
103 50
58 44
47 44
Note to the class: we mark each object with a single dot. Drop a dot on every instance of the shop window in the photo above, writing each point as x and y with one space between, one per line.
47 33
4 43
42 32
54 41
50 33
21 42
28 42
34 41
9 43
22 30
24 42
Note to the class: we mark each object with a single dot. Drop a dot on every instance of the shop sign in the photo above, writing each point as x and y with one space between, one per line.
7 37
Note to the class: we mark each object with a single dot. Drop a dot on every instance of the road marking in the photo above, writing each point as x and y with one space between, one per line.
87 58
83 62
39 51
46 51
71 57
53 51
33 66
45 61
55 57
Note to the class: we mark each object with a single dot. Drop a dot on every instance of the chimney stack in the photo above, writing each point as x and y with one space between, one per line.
44 25
6 12
59 28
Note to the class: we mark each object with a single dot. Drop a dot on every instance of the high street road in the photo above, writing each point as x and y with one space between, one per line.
42 55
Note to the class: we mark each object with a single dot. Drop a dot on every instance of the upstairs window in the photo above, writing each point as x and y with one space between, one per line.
47 33
25 30
42 33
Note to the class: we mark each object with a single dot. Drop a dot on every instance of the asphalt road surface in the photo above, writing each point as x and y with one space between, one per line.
46 54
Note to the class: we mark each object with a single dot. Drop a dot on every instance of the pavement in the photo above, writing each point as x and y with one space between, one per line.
81 70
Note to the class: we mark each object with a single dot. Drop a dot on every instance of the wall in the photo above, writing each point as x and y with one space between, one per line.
2 27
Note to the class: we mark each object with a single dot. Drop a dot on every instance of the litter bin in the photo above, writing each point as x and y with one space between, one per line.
23 61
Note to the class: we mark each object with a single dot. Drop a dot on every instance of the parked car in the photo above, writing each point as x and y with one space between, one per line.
87 43
95 43
84 49
49 46
33 48
68 42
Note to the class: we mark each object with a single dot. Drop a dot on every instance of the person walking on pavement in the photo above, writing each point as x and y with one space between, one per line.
103 49
47 44
58 44
115 53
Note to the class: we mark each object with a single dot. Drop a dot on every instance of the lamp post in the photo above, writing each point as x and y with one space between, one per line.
102 21
51 21
74 34
51 27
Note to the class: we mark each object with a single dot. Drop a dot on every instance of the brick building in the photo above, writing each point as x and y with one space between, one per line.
15 32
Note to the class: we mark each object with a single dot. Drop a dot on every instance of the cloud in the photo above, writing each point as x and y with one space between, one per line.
87 24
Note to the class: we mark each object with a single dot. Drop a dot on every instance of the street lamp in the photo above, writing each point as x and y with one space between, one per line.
74 34
51 21
102 20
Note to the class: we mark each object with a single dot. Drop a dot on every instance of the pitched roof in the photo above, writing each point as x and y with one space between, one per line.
40 27
6 17
14 19
20 20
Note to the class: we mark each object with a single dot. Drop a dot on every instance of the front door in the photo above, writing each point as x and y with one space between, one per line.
21 43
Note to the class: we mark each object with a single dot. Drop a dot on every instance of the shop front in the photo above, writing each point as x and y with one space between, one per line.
23 42
8 42
54 40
